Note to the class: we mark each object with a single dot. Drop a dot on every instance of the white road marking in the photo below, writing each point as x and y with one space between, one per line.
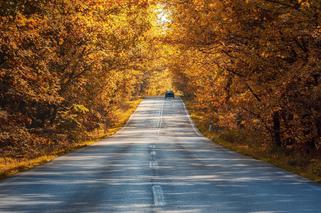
156 115
152 146
153 164
160 121
190 120
158 196
153 153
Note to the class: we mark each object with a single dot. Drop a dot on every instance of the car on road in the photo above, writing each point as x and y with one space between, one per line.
169 94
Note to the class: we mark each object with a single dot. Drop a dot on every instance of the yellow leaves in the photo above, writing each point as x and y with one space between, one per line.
28 22
92 54
80 108
159 18
21 20
61 41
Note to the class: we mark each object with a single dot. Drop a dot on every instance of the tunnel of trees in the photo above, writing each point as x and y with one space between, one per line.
67 65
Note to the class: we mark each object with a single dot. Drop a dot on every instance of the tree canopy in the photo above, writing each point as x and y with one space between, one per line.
253 64
67 65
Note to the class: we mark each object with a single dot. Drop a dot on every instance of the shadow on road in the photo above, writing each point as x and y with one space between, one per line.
116 174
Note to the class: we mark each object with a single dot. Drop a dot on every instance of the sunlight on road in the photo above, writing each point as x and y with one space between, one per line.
158 163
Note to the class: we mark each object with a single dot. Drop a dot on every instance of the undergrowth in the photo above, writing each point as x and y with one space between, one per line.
13 165
254 145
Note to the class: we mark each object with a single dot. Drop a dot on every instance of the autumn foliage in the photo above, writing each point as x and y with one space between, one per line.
65 67
250 65
253 65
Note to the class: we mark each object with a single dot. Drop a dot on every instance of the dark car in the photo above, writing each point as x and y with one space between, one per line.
169 94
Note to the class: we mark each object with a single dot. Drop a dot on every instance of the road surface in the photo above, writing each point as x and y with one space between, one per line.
158 163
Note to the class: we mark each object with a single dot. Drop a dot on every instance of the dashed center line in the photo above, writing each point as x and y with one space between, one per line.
158 196
152 146
160 121
157 189
153 164
153 153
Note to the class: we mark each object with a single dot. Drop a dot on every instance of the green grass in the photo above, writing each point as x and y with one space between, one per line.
11 166
252 144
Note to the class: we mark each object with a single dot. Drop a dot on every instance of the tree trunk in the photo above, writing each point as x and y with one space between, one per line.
276 129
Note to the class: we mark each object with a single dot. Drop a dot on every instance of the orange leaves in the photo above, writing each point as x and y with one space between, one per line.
70 57
249 59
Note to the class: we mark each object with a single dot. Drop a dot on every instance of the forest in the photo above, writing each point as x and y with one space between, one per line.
254 65
250 66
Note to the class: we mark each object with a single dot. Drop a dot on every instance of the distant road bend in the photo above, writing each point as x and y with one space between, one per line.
158 163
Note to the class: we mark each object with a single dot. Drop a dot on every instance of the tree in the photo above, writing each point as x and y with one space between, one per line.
255 60
66 66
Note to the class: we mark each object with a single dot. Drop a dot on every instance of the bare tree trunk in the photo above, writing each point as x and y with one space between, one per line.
276 129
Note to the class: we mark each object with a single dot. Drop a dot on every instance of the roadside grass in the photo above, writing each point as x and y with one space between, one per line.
12 166
252 144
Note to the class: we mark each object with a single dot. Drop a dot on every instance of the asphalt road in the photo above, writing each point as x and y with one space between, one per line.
158 163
